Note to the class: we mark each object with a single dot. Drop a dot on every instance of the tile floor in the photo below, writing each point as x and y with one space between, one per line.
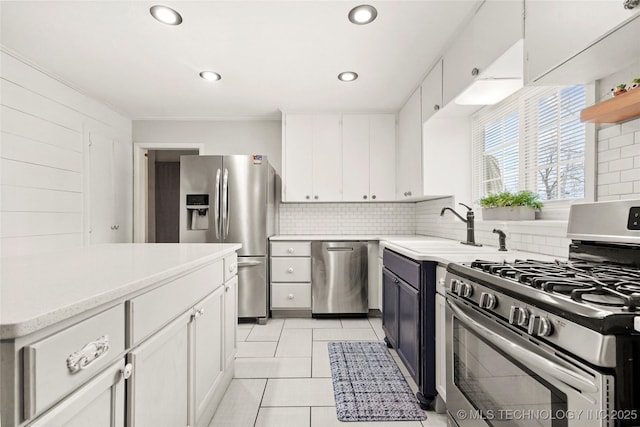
283 377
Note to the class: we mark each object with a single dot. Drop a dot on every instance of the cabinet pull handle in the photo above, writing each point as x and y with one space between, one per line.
436 107
290 250
198 312
475 72
232 267
127 371
315 197
373 197
364 197
226 289
290 296
117 227
290 270
91 352
307 197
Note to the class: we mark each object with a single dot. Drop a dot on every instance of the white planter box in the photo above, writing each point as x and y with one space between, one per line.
518 213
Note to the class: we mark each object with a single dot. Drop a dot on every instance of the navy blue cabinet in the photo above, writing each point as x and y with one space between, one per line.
408 317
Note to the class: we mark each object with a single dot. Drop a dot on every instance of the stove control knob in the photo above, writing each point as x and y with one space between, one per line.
455 283
464 290
519 316
533 323
544 327
488 301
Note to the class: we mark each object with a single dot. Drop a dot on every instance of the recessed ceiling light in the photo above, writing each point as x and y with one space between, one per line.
211 76
362 14
166 15
347 76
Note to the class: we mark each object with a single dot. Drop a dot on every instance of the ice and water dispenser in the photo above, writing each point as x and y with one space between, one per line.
198 211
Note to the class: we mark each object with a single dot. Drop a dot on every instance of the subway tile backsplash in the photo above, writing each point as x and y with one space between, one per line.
618 173
347 218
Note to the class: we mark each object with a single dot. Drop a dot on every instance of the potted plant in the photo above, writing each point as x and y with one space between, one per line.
520 206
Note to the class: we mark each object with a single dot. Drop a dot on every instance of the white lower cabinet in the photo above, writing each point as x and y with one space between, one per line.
230 320
290 275
160 364
98 403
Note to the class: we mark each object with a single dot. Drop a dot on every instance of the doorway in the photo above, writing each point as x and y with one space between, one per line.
163 195
156 203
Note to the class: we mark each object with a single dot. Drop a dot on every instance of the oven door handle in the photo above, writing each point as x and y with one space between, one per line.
556 369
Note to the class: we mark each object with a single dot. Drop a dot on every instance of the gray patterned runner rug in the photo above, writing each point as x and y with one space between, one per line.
368 385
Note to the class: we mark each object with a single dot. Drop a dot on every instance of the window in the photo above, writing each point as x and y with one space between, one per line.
533 140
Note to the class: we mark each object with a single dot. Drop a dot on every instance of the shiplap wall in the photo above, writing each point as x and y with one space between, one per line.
43 158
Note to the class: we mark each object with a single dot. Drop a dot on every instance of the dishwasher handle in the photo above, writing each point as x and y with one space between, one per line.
343 249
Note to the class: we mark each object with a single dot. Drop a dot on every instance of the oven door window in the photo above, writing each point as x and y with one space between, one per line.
501 389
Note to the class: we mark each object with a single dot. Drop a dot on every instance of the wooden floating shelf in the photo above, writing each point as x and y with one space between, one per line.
615 110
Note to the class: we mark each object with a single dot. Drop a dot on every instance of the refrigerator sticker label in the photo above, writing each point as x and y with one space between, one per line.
257 159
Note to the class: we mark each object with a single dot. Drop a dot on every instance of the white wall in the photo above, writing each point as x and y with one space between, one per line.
218 137
43 163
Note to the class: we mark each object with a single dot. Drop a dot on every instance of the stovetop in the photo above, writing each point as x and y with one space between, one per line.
596 284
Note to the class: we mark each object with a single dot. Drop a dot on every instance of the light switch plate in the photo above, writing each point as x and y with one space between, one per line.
636 323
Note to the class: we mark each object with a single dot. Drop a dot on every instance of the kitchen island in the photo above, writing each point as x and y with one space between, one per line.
78 326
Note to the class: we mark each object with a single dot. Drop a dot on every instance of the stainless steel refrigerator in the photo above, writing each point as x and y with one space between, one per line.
232 199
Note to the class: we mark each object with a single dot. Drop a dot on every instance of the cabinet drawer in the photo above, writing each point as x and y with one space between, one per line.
291 249
55 365
148 312
290 269
405 268
290 295
230 266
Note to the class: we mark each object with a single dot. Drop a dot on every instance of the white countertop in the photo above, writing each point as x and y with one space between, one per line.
40 290
426 248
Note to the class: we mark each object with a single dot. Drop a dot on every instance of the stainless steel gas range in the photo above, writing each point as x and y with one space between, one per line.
532 343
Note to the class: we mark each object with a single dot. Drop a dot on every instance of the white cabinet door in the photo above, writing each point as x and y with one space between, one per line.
355 157
409 149
556 31
495 27
158 389
208 353
98 403
327 158
432 92
230 320
382 157
441 355
297 158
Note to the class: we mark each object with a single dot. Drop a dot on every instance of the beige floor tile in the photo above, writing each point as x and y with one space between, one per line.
269 332
273 367
355 323
299 392
294 343
376 324
284 417
242 334
355 334
308 323
256 349
246 325
326 417
240 404
320 367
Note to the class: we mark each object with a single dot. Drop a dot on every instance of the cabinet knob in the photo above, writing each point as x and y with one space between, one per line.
364 197
475 72
373 196
290 250
315 197
232 267
436 107
408 193
290 270
290 296
127 371
226 289
307 197
405 194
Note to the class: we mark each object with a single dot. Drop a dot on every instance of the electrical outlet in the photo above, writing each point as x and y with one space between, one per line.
634 218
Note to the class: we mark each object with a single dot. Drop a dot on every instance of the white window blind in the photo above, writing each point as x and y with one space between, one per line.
533 140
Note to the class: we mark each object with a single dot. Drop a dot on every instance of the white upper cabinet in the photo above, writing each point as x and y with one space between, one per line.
495 27
368 157
432 92
558 31
409 149
312 158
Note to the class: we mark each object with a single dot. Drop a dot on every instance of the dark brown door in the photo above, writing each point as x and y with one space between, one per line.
167 202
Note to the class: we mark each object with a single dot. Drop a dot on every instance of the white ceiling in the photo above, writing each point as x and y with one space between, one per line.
272 55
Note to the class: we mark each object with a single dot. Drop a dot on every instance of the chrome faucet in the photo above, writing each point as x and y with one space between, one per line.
470 221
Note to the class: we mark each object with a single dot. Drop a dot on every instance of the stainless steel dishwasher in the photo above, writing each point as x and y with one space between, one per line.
339 278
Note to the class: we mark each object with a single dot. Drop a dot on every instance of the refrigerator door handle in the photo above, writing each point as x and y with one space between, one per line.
216 214
225 204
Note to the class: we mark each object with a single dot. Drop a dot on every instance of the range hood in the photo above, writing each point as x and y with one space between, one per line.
499 80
